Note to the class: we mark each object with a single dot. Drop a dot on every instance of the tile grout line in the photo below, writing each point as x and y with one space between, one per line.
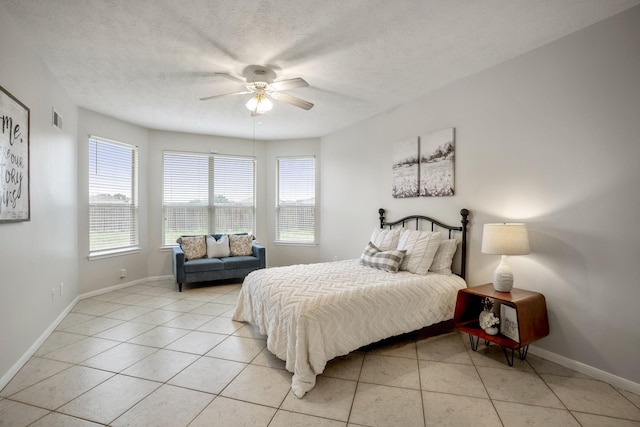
355 392
475 366
424 412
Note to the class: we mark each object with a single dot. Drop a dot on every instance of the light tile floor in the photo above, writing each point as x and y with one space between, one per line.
148 355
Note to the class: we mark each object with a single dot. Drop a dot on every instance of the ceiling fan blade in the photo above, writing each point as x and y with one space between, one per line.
292 100
224 94
289 84
231 77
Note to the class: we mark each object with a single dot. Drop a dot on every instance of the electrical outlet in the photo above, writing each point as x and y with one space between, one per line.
61 288
123 273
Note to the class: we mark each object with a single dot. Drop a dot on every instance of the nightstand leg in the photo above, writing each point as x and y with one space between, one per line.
523 352
474 344
506 354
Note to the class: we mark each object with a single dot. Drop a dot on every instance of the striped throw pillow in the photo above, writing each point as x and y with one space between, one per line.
421 247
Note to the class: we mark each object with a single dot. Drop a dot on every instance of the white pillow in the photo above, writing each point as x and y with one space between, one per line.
444 257
385 239
218 248
421 247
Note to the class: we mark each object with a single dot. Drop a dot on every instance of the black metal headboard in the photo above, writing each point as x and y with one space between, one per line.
464 213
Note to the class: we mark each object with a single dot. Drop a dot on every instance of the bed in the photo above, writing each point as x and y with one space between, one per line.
312 313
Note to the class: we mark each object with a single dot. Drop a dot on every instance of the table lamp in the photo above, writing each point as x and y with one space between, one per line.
504 239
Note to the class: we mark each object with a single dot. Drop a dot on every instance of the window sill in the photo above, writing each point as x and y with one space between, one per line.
281 243
114 253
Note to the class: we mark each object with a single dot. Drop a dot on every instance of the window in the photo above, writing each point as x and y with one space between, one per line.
233 201
207 194
113 196
296 200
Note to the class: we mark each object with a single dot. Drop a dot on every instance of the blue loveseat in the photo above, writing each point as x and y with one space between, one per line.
206 269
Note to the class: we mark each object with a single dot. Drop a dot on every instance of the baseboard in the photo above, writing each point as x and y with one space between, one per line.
598 374
122 286
4 380
34 347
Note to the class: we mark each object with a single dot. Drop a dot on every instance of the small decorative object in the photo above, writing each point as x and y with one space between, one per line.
487 304
492 330
14 159
487 319
504 239
509 324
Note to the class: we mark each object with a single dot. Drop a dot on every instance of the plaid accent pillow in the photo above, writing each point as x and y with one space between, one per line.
383 260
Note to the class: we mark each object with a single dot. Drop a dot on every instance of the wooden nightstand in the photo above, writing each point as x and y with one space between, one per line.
531 314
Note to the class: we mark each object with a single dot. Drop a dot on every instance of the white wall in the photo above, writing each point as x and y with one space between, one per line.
99 273
549 138
36 256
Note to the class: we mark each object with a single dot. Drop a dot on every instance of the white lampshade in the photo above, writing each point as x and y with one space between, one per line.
505 239
259 104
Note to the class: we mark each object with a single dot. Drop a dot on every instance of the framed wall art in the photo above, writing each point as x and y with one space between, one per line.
14 159
405 168
437 155
424 165
509 322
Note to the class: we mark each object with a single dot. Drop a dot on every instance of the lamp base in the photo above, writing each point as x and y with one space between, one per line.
503 277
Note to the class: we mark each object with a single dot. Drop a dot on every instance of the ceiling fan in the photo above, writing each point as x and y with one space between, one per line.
259 80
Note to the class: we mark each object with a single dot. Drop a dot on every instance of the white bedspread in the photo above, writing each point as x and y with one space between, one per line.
312 313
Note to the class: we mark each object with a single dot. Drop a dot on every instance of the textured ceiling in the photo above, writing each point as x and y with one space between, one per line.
149 61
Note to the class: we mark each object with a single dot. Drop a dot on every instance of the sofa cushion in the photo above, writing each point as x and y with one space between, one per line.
240 262
194 247
203 264
240 245
218 248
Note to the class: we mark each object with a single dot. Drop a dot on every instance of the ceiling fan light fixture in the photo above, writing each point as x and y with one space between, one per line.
259 104
259 80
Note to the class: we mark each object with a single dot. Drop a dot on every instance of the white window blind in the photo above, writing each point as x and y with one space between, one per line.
233 195
296 202
113 196
185 195
206 194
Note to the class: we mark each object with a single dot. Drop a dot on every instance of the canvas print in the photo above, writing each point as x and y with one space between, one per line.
14 159
509 322
437 155
405 168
